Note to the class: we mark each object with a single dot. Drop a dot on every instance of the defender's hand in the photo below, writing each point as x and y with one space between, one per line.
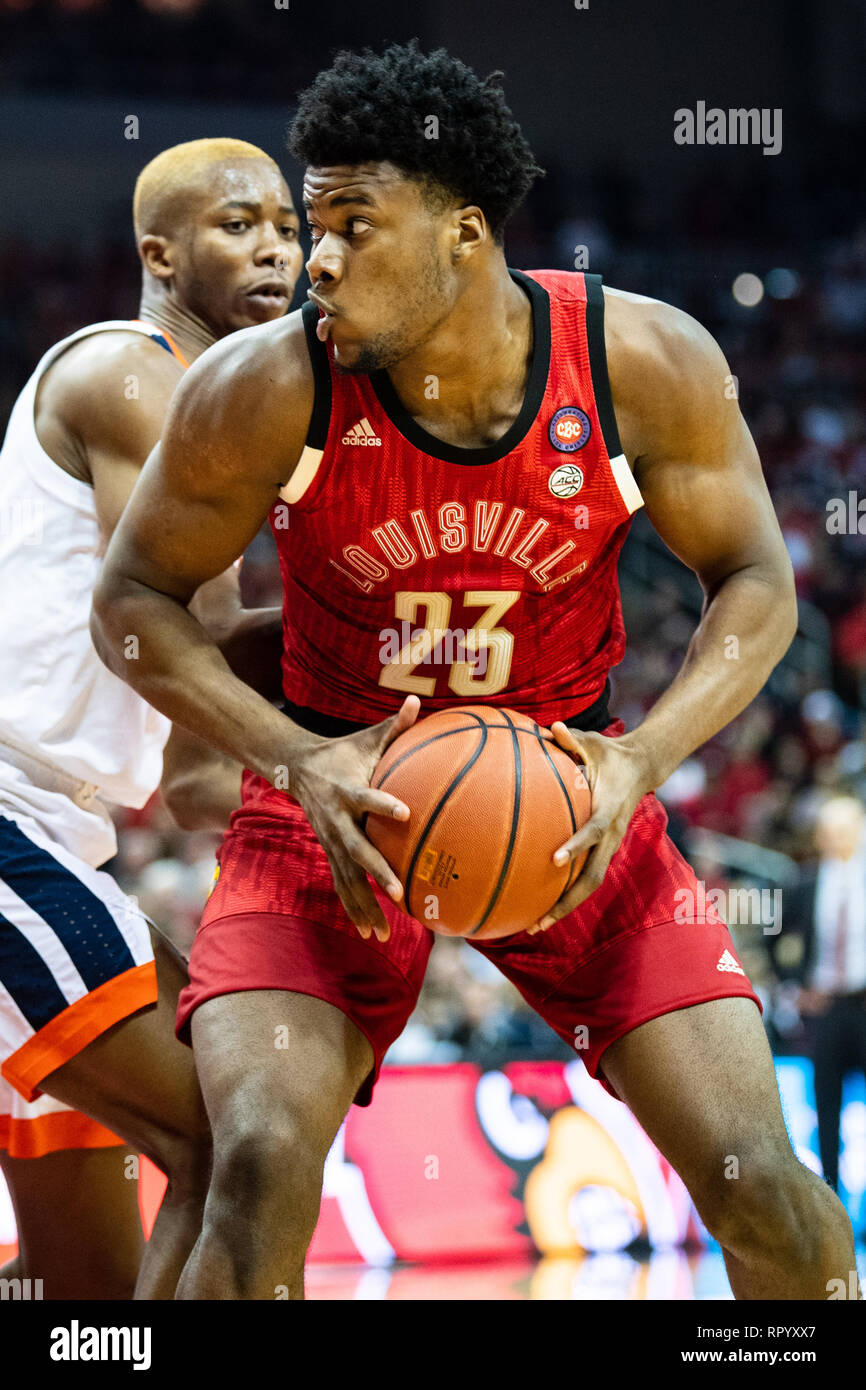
618 777
332 783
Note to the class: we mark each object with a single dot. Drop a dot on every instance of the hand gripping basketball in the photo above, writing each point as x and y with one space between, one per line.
332 784
618 776
491 797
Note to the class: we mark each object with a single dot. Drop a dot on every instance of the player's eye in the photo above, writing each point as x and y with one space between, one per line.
289 232
236 225
356 226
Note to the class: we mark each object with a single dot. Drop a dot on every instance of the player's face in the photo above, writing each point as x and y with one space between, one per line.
379 264
239 258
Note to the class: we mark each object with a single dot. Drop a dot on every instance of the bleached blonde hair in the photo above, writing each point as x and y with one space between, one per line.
162 183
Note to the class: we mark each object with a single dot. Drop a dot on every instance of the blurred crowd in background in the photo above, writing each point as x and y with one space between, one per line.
793 328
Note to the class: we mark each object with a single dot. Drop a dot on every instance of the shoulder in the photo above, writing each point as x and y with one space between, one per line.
106 369
252 392
668 375
649 340
106 394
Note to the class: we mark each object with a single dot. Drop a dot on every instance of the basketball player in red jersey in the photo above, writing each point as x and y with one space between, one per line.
444 442
218 239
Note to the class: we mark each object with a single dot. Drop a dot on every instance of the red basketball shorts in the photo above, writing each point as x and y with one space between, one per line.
644 944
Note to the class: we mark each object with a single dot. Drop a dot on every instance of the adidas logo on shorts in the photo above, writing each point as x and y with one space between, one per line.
362 434
727 962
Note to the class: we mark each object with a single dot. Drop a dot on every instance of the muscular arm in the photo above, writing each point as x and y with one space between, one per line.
698 471
234 433
200 785
100 411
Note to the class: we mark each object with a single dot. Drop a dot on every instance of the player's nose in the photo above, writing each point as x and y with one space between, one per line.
325 264
271 249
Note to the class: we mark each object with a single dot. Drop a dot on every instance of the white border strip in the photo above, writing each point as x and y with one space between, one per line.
305 471
624 479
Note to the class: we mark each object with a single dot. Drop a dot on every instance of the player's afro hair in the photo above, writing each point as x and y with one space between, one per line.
371 108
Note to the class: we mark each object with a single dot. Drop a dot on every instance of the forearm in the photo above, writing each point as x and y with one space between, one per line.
153 642
747 626
204 797
254 648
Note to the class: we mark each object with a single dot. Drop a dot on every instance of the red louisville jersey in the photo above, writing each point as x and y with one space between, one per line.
413 566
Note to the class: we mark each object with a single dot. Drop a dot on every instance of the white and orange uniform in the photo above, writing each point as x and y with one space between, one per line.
75 951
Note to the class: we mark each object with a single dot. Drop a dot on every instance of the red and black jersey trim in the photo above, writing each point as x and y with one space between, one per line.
598 364
317 434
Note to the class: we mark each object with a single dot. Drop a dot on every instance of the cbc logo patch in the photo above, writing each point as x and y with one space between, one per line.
569 429
566 480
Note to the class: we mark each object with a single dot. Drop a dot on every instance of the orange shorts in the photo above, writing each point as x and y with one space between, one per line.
75 955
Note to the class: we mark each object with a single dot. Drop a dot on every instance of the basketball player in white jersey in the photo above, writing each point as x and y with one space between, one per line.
88 992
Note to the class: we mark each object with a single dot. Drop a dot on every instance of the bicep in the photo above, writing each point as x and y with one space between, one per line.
234 433
189 518
714 513
701 477
119 430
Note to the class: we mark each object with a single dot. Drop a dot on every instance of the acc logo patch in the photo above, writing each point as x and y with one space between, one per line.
569 429
565 480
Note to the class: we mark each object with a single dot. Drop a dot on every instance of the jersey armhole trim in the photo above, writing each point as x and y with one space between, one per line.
317 434
163 339
619 466
307 467
598 364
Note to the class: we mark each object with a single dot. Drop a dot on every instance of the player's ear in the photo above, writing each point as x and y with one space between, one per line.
156 256
469 231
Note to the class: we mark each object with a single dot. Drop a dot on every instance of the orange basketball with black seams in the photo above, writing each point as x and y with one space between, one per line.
491 797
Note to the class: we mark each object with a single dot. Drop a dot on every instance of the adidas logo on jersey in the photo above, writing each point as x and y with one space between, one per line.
727 962
362 434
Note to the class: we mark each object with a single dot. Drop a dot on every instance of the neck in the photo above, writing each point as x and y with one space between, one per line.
160 306
479 354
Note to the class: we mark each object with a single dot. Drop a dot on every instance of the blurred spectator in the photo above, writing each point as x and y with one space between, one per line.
822 951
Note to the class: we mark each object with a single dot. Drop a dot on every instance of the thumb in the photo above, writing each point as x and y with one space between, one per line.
389 729
571 740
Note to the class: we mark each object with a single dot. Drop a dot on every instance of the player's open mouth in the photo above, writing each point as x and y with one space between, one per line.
271 295
326 316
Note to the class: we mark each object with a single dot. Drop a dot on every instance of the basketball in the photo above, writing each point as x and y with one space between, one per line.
492 796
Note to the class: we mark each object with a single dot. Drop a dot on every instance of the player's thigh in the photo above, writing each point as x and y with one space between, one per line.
275 1062
79 1227
702 1084
136 1078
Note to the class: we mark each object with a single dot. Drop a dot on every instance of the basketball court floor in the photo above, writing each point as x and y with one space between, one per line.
672 1275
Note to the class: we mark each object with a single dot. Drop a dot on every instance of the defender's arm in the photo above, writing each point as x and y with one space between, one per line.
235 431
101 413
201 498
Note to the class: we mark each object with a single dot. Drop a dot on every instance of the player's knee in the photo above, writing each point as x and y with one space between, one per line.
271 1165
263 1203
757 1200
